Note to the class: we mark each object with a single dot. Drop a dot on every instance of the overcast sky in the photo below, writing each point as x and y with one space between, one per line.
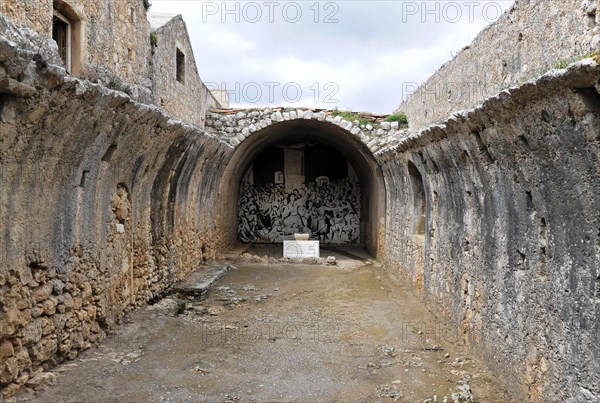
353 54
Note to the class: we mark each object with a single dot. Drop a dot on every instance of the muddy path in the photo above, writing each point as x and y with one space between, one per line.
281 333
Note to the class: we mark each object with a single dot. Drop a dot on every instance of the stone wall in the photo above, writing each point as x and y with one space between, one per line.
112 46
509 245
188 98
115 36
112 36
34 14
101 208
235 126
529 39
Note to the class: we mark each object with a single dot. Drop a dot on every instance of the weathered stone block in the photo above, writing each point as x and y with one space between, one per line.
9 370
32 333
42 380
42 292
13 87
43 350
6 349
10 390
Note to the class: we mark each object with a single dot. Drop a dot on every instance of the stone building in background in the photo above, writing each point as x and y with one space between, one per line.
176 84
112 43
222 96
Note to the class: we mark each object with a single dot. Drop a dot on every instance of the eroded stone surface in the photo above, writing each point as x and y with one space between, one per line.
510 243
97 222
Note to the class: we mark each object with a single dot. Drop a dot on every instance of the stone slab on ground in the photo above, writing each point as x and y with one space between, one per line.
198 282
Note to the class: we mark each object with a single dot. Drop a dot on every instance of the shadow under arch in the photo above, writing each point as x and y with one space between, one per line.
305 130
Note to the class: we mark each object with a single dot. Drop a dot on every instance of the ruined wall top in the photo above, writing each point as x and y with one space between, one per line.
528 40
235 125
577 75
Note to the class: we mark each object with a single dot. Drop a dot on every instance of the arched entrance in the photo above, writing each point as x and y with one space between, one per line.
305 187
306 175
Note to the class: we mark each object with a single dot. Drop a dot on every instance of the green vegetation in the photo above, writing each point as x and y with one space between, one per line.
561 64
399 117
153 41
349 116
147 4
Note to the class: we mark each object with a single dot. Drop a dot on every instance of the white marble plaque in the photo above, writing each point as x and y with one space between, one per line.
301 249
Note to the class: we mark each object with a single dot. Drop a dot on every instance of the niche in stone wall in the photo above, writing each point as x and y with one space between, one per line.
299 188
120 205
418 190
180 66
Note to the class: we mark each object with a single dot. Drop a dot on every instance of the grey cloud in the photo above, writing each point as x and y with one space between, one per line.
367 32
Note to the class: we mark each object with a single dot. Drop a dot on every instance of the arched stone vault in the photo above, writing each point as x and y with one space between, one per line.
349 138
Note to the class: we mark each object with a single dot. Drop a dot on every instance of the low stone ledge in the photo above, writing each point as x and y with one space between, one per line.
198 282
582 74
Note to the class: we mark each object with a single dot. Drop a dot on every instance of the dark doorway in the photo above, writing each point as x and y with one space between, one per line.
60 34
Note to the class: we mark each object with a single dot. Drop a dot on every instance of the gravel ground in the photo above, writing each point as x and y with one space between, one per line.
281 332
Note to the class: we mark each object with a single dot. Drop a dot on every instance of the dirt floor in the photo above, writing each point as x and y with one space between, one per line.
281 332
